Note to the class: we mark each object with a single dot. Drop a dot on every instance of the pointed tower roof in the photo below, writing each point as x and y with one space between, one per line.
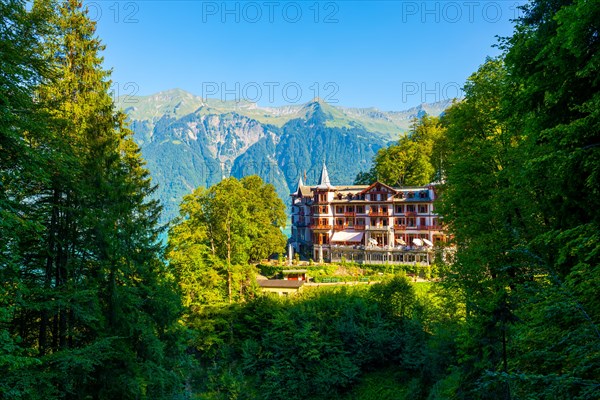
302 190
300 184
324 182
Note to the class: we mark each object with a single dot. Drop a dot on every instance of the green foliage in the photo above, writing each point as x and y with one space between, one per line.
415 160
219 231
89 307
269 270
326 343
521 200
385 384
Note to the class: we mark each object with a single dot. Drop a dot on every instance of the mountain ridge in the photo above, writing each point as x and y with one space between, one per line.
189 141
387 123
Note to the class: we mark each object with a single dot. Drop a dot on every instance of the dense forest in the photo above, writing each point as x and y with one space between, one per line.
94 306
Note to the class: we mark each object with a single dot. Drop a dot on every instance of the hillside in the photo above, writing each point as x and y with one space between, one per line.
189 141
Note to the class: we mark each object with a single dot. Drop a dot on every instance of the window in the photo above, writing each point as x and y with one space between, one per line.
423 209
350 209
423 195
411 222
410 208
339 209
399 209
360 209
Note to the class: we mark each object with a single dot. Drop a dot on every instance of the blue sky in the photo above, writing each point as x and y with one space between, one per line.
386 54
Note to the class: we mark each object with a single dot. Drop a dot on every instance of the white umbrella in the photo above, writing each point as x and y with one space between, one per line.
373 241
401 242
428 242
418 242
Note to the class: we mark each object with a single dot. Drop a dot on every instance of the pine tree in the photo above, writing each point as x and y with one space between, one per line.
22 171
97 304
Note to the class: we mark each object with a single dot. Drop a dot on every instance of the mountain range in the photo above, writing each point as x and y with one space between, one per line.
189 141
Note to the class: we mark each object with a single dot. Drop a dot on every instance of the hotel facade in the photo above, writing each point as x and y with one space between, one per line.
367 224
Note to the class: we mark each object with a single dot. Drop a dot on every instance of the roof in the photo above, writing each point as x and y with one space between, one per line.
377 183
324 182
351 188
306 191
280 283
302 190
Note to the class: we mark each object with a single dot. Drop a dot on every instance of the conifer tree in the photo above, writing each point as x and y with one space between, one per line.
98 305
22 67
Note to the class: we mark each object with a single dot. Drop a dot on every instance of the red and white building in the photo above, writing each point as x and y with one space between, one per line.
366 224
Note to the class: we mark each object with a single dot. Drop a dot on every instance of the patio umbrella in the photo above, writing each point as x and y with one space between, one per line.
418 242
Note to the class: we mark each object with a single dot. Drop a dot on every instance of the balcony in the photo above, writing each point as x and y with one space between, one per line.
339 227
405 227
359 227
378 227
320 227
378 214
410 214
434 227
349 214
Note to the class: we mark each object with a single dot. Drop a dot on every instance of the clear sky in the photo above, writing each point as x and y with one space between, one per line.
386 54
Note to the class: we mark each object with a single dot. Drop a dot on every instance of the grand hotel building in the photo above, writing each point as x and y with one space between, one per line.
365 224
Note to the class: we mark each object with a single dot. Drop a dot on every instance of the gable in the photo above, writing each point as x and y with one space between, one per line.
379 187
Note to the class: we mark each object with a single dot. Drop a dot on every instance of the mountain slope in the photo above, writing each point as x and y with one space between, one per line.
189 141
